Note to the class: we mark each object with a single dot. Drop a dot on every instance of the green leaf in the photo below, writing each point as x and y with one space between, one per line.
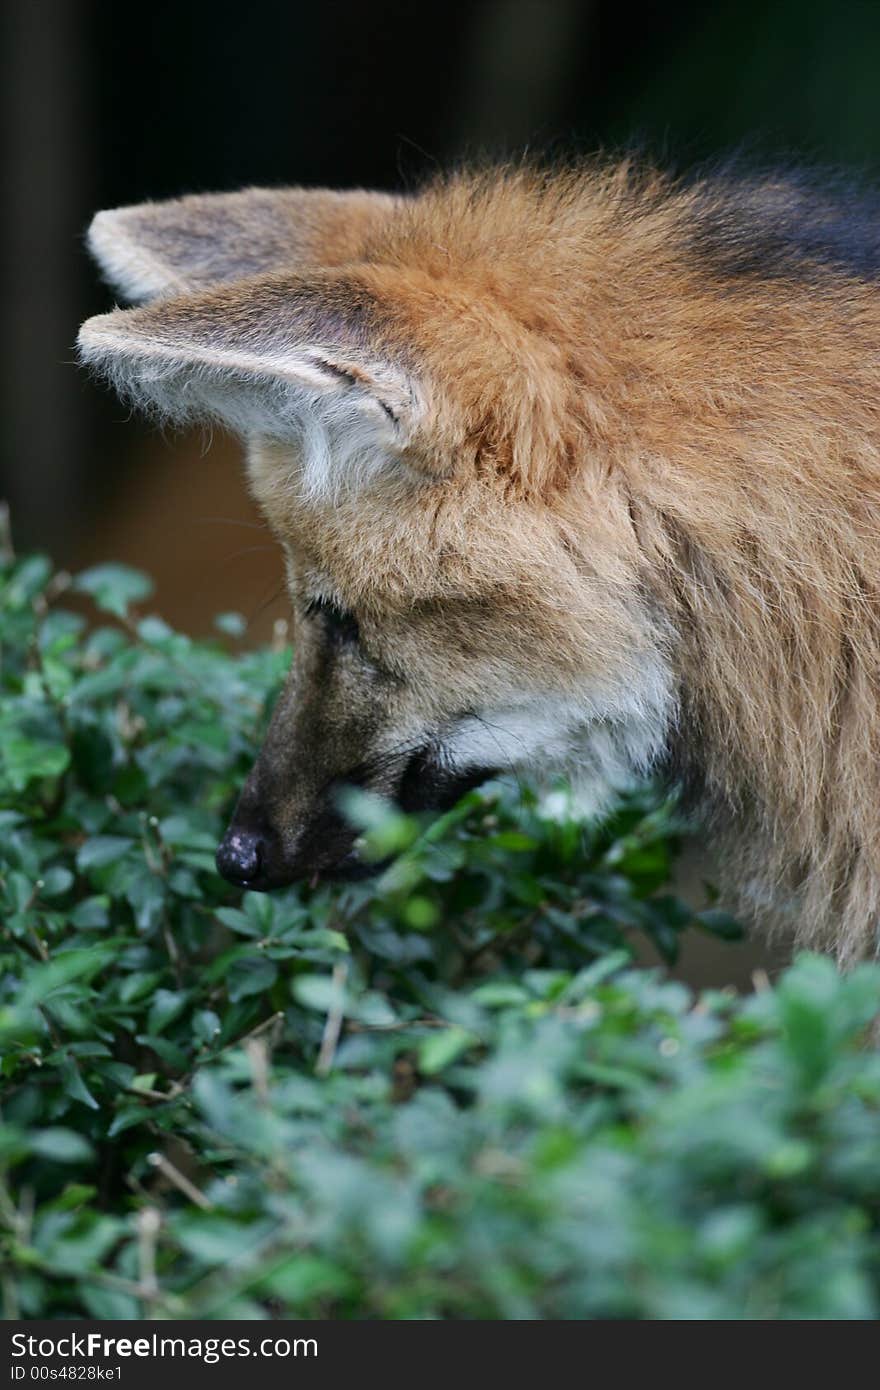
500 995
206 1027
232 624
91 913
76 1241
114 588
167 1005
28 579
56 881
440 1049
26 760
301 1278
720 924
514 841
320 992
43 980
127 1117
102 850
250 975
167 1051
75 1086
219 1239
61 1145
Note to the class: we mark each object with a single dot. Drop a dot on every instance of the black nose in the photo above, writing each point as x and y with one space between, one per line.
240 856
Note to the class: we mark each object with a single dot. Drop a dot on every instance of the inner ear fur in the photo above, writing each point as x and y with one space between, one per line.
261 355
156 250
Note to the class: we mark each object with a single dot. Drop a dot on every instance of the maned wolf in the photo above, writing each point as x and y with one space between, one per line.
574 470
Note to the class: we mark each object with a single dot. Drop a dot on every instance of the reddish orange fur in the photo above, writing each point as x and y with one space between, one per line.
614 426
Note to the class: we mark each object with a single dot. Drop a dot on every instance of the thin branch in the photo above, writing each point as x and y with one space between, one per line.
180 1180
333 1023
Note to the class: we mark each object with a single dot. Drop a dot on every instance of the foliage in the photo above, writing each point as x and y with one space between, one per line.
443 1093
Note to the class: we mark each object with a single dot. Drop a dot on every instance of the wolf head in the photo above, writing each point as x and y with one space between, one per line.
421 387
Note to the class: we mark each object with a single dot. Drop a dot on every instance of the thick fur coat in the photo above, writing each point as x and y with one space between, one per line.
573 470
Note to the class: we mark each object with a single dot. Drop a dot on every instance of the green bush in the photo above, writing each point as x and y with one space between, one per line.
446 1093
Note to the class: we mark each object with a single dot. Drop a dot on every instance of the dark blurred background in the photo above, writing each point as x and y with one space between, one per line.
109 103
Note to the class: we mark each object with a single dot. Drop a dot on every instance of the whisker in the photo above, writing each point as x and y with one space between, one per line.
274 596
493 729
230 521
249 550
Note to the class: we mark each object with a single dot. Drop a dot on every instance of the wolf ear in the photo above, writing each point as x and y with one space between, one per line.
311 358
155 250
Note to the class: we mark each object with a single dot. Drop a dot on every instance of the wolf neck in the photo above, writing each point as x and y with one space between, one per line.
777 744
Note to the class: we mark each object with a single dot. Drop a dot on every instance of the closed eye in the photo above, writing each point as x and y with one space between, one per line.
339 624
